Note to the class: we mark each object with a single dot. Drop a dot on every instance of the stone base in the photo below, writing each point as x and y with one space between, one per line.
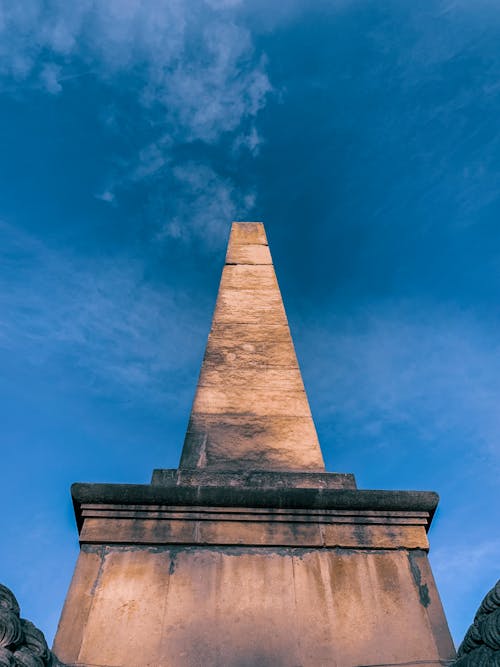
183 572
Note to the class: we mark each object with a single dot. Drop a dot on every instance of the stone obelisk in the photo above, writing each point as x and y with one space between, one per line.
250 410
250 554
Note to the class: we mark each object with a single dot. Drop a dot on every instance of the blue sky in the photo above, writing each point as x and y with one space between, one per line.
364 134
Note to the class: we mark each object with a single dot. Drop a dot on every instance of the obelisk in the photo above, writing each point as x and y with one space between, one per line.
250 554
250 410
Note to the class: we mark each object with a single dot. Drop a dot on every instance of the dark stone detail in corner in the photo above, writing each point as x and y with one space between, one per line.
481 644
21 643
423 589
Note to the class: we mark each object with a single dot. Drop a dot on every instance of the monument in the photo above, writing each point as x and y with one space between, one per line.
250 553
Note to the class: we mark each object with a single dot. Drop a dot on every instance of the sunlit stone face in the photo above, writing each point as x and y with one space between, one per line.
250 410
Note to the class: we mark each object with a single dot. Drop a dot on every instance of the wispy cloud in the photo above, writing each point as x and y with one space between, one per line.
99 317
208 201
475 559
191 71
192 61
432 370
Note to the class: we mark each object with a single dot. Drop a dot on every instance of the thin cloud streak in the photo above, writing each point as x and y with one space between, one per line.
99 315
430 370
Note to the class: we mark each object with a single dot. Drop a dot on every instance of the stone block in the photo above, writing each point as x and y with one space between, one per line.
246 442
249 277
240 376
254 346
248 254
247 233
235 399
243 307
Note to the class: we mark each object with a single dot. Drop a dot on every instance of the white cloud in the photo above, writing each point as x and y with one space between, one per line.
191 59
252 141
192 71
208 202
106 196
49 77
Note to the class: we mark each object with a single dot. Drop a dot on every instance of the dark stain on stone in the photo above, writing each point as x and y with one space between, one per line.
98 577
388 577
173 561
360 534
92 549
423 590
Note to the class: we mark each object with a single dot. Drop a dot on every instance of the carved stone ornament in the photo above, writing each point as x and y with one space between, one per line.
481 644
21 643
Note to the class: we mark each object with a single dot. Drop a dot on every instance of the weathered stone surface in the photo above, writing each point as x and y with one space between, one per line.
248 233
73 621
254 446
132 590
258 606
281 497
250 410
270 378
248 254
203 525
231 348
253 479
248 277
223 401
428 594
262 307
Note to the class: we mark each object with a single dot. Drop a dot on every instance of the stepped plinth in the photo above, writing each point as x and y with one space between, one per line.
250 553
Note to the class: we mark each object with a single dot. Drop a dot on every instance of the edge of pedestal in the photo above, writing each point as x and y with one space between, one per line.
291 498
